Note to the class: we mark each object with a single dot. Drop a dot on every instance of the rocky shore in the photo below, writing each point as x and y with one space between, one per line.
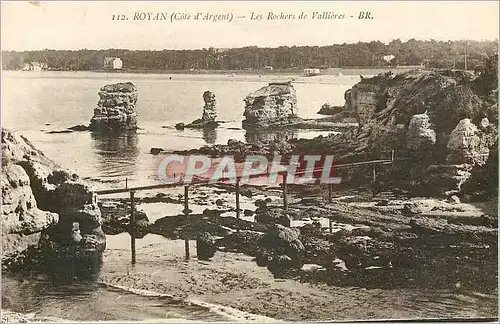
440 125
377 250
436 227
430 224
384 242
234 280
47 211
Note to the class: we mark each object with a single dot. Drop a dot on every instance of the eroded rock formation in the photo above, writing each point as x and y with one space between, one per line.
209 116
467 144
45 205
272 105
437 120
210 107
116 110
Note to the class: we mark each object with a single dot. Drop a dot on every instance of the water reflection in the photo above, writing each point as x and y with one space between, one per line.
254 136
210 135
69 270
117 153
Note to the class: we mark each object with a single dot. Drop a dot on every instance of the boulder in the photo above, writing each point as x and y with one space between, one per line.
242 242
410 209
205 246
156 150
484 181
262 259
259 203
328 109
445 179
467 144
283 249
359 252
311 230
282 266
180 126
420 133
116 110
283 240
285 220
318 251
116 219
269 216
271 106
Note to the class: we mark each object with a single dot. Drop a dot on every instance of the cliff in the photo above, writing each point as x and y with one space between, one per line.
45 206
116 109
272 105
442 123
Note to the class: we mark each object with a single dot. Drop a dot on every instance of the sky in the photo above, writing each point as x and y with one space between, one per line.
89 25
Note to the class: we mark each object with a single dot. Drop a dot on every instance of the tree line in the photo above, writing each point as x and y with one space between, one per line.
431 53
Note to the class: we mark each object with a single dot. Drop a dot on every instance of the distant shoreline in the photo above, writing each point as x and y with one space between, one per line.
297 72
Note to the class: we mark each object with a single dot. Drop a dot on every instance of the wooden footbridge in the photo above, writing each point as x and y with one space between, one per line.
203 181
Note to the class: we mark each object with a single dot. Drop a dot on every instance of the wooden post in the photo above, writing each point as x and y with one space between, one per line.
330 225
126 183
132 225
330 192
186 213
237 197
285 192
392 170
374 179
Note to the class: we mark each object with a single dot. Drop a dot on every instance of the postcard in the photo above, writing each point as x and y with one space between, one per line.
249 161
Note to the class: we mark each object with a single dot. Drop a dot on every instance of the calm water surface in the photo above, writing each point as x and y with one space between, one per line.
34 103
37 102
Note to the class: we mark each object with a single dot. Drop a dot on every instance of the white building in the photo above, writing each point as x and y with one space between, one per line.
117 63
35 66
311 72
114 63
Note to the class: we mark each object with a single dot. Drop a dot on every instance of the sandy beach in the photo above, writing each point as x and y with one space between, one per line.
234 280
